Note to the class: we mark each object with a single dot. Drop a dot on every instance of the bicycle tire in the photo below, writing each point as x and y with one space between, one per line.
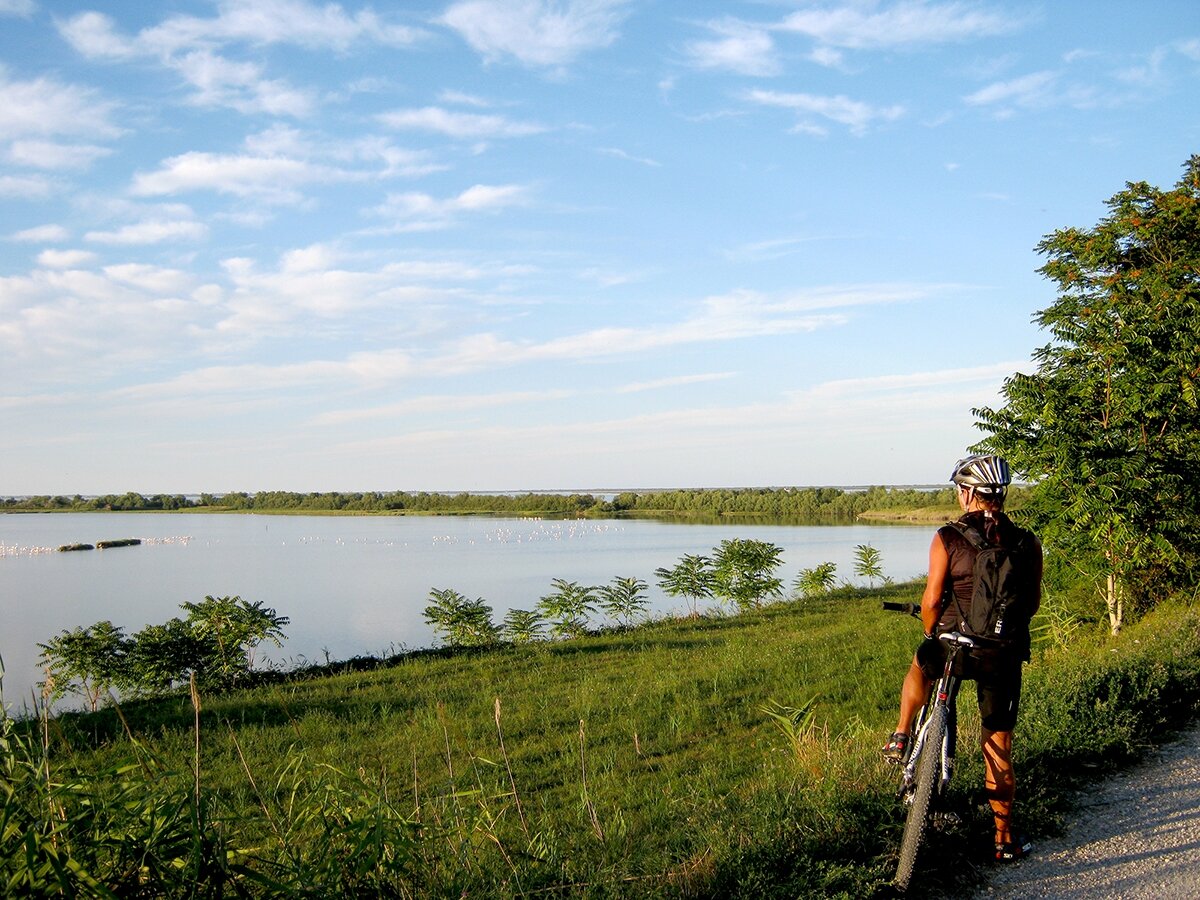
928 774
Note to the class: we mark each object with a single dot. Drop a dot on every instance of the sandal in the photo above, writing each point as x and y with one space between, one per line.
896 749
1014 850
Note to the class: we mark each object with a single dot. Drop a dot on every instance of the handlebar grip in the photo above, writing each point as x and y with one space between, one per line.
913 609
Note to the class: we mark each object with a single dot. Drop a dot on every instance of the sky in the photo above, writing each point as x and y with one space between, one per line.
546 244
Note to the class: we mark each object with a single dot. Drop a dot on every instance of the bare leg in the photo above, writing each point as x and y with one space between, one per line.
999 780
913 696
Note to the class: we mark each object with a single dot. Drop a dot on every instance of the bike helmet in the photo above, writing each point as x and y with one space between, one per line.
987 476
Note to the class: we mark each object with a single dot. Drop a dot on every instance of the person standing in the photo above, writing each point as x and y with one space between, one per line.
995 663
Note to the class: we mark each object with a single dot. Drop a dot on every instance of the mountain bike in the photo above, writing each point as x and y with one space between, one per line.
925 774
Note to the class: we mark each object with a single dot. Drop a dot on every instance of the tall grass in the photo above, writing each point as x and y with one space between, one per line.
727 756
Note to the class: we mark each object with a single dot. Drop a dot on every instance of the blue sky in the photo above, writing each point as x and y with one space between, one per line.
510 244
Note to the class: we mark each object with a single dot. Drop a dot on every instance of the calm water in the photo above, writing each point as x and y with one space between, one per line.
355 585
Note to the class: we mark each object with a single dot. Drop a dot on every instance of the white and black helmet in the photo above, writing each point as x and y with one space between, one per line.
987 476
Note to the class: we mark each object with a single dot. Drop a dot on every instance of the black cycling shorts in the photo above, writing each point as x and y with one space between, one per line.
997 678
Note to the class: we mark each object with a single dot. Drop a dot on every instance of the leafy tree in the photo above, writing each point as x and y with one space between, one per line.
743 572
1109 423
461 622
228 629
522 626
691 578
624 599
868 563
161 656
87 661
568 607
816 581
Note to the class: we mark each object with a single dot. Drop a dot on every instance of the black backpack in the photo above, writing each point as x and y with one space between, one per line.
1000 597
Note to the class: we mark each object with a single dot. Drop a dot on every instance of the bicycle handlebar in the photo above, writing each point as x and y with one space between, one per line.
913 609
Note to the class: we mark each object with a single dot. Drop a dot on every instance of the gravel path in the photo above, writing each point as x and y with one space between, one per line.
1136 835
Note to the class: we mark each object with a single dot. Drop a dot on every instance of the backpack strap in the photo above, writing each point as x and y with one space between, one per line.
973 535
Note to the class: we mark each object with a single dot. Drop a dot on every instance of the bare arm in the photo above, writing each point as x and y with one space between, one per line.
935 585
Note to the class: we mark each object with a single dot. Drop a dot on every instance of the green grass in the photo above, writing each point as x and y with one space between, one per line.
638 763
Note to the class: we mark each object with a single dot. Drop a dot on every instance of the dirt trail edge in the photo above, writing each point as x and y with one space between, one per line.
1135 835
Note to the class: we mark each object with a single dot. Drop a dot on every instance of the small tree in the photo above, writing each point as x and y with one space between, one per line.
567 608
816 581
744 572
624 599
521 626
162 656
868 563
460 622
690 578
87 661
228 629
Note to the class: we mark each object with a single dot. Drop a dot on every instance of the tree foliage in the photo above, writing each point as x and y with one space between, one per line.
623 599
215 642
815 581
690 578
1109 422
567 607
460 622
868 563
743 572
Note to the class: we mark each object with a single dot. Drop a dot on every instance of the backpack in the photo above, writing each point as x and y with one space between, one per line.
999 610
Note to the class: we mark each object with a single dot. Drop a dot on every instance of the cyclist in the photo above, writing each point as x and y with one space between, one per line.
982 483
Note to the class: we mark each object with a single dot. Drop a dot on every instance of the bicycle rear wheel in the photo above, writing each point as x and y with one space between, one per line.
928 772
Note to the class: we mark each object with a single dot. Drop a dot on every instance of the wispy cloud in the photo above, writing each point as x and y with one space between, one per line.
415 211
676 381
855 115
270 178
190 46
440 404
54 155
913 23
737 47
151 231
457 124
621 154
44 234
537 33
65 259
44 107
23 8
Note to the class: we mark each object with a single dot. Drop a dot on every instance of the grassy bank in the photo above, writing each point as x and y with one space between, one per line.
671 760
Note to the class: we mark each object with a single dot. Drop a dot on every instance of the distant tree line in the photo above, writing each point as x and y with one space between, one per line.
807 503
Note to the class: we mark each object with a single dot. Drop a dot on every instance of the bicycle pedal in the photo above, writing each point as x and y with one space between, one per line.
946 821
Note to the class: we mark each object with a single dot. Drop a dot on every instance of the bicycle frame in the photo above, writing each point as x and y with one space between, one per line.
943 697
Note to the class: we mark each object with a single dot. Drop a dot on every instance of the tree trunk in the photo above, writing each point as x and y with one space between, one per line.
1115 601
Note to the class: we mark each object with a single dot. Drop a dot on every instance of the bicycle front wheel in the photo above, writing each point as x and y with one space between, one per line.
928 772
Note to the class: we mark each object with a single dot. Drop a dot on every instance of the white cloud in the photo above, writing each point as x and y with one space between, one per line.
854 114
1035 89
51 155
240 86
271 178
440 403
904 24
22 8
457 124
536 32
1190 49
621 154
43 234
419 211
676 381
151 231
44 107
190 45
65 259
25 186
739 47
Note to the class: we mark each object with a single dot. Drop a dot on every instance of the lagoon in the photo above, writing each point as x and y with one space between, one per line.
357 585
